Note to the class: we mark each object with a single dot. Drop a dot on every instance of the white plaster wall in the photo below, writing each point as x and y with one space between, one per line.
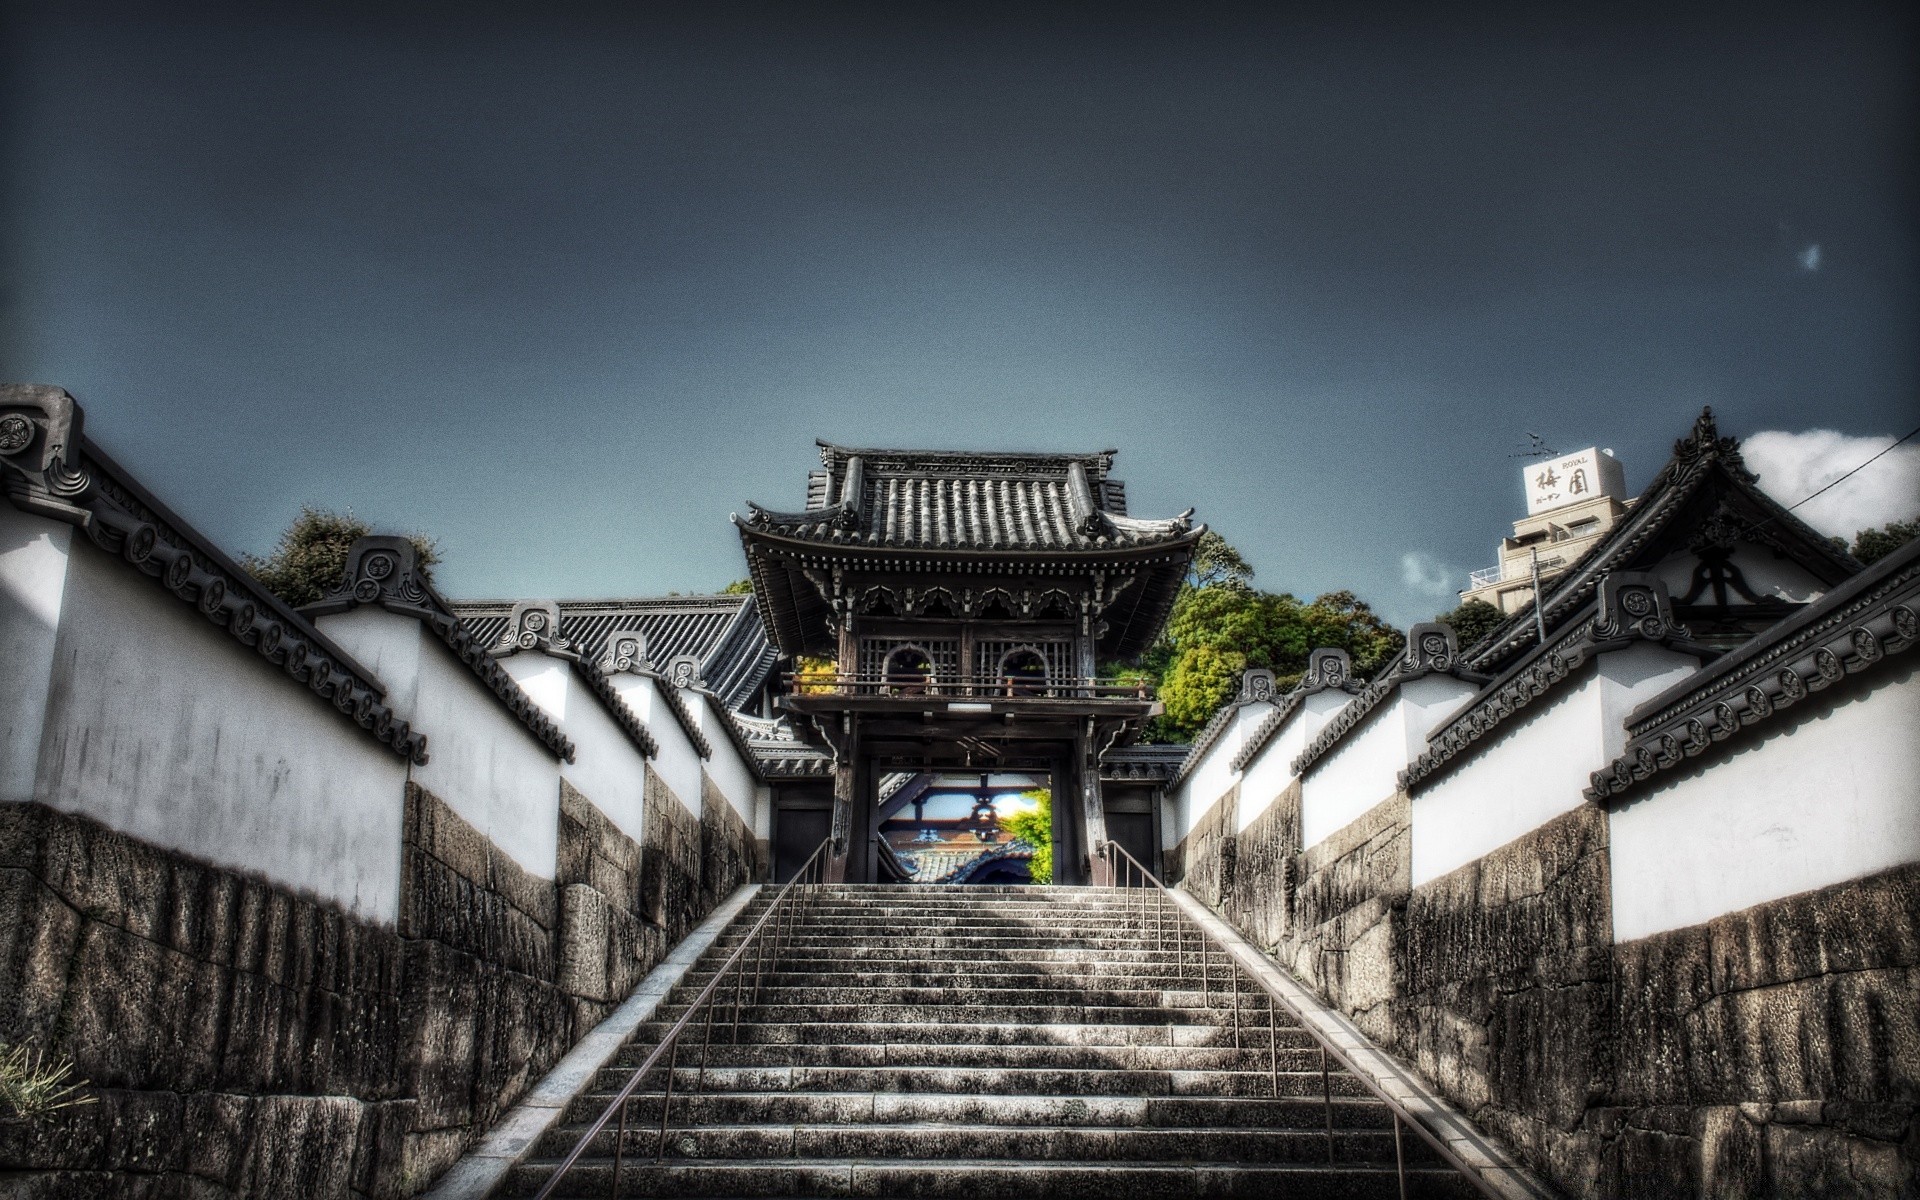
729 772
33 580
161 726
1211 778
1820 802
1536 767
1765 574
1271 772
677 762
1365 768
607 768
482 761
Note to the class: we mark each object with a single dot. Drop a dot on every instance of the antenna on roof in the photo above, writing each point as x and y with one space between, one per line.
1535 447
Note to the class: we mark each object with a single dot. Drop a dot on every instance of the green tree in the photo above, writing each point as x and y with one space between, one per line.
1872 545
1219 628
1217 564
739 587
1472 621
1035 828
311 555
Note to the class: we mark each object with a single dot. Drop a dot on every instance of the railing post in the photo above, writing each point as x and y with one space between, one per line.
619 1148
1399 1157
1273 1047
1326 1095
666 1107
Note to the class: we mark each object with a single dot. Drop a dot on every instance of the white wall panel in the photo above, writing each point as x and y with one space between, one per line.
607 767
33 580
1818 802
1536 766
678 762
1365 768
160 725
482 761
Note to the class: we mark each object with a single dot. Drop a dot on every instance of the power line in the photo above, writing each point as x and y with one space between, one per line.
1855 471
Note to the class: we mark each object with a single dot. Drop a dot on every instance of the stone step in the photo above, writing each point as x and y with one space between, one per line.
710 1140
853 1108
985 994
926 1054
1035 939
991 1080
996 1034
787 973
1049 1014
994 1179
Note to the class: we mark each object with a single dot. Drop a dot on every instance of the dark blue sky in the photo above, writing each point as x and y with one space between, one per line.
563 286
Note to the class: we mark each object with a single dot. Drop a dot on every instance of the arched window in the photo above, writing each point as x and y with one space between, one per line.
1023 673
909 672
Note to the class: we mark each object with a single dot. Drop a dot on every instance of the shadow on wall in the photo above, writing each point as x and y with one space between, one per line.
306 1051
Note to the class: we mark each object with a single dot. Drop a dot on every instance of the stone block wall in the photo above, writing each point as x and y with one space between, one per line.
1348 913
1507 1006
669 862
729 853
243 1040
1773 1051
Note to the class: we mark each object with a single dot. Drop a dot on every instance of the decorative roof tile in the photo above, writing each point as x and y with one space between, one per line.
1328 669
1852 630
1704 466
386 571
953 500
49 468
1430 650
723 633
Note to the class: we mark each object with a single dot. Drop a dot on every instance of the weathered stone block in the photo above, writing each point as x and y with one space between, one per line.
140 1015
583 942
39 936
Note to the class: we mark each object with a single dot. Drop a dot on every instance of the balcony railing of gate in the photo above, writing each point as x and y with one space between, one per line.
733 988
964 687
1162 921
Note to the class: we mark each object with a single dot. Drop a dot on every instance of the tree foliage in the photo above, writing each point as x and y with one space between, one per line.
1217 564
1872 545
1222 626
739 587
1472 621
311 555
1035 828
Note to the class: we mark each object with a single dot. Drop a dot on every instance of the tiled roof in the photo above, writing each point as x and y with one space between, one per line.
1705 484
1151 763
723 632
951 500
1857 628
780 751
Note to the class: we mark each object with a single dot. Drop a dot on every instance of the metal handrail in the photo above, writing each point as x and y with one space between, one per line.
810 872
1132 869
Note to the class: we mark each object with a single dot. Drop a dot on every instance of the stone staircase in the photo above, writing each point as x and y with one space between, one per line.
990 1042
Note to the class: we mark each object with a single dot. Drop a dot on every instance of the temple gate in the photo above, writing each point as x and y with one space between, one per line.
952 611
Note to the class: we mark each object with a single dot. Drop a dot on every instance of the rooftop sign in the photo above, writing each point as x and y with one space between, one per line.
1572 478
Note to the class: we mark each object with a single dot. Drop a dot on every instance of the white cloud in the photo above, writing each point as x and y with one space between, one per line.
1428 576
1810 258
1792 466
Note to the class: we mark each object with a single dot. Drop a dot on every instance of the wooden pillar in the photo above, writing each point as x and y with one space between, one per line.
1093 806
846 786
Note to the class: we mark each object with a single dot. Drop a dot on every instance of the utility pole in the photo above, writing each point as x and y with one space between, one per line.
1539 605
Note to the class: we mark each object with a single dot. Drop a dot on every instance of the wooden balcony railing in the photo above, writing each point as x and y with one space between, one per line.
967 687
